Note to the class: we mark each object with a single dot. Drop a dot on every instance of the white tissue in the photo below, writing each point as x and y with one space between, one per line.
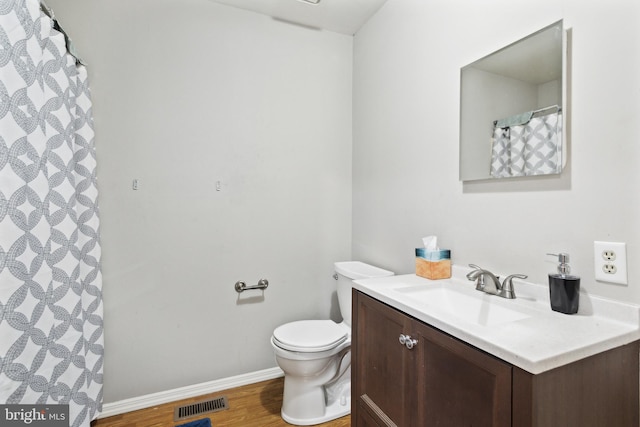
430 243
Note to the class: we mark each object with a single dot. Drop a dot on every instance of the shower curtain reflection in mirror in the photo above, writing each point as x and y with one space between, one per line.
527 144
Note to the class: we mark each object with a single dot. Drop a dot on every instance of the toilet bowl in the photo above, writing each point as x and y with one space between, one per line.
315 356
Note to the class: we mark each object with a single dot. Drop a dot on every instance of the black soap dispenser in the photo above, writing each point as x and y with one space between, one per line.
564 289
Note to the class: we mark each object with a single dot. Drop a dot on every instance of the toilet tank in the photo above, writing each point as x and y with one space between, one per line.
346 272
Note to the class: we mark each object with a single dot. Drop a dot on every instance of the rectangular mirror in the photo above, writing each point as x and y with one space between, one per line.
511 109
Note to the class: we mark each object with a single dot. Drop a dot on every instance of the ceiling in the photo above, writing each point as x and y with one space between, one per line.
341 16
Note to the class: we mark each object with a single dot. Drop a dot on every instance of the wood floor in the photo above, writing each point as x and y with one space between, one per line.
254 405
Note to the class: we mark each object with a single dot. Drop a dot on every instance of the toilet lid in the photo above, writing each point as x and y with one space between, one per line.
309 335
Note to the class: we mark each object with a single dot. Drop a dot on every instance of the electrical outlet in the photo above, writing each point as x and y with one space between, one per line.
610 262
608 255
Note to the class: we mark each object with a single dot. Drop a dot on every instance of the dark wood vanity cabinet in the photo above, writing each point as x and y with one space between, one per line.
442 381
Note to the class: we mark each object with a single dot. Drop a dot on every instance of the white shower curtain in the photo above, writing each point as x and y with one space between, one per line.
51 331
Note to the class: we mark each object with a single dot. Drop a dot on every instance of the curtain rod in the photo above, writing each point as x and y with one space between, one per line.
547 110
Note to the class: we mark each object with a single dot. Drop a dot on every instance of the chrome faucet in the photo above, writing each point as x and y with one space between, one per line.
487 282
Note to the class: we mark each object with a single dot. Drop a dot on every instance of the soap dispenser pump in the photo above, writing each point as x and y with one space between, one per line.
564 288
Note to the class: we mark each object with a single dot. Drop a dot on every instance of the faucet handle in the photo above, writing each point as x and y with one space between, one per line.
472 275
507 290
476 274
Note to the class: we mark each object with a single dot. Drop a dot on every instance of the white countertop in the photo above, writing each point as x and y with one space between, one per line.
540 340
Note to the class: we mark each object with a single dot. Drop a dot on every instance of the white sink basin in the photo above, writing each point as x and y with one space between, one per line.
477 308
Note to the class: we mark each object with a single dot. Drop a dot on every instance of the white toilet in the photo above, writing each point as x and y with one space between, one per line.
315 356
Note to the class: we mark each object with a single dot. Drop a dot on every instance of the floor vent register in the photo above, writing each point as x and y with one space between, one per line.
199 408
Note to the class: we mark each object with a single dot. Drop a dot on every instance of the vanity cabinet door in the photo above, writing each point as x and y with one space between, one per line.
459 385
439 382
383 377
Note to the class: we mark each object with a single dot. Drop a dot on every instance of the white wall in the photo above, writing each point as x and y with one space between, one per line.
187 93
406 120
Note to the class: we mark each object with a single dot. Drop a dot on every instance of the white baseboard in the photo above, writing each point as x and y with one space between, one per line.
146 401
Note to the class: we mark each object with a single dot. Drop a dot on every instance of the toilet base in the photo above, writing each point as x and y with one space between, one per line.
337 409
304 403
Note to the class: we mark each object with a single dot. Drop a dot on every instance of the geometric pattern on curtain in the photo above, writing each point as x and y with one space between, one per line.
51 327
534 148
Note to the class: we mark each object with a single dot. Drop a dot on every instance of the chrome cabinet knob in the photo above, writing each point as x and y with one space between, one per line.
410 343
407 341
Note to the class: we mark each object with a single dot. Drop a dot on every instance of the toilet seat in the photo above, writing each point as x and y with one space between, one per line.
309 336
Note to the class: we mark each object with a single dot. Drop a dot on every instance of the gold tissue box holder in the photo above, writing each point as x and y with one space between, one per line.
433 264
